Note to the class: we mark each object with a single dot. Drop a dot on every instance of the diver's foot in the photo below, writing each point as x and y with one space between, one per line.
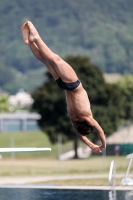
33 36
25 33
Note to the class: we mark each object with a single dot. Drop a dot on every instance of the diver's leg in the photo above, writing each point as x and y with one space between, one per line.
39 56
63 69
36 52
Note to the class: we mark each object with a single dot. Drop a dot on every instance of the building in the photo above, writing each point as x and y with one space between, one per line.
123 138
19 121
21 99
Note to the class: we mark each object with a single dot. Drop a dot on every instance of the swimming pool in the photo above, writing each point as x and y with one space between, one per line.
61 194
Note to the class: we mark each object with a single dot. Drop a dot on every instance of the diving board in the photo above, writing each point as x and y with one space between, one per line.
28 149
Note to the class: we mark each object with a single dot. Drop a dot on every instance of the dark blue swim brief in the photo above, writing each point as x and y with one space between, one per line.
67 86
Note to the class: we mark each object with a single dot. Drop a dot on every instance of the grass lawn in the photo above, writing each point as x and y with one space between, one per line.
30 139
83 182
94 165
33 167
46 163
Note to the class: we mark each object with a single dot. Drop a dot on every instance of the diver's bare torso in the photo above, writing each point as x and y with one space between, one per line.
78 104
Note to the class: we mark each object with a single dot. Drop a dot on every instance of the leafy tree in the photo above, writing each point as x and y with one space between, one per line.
49 102
6 75
102 29
108 113
125 85
4 106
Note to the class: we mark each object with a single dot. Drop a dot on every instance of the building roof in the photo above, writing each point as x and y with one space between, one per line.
112 77
123 135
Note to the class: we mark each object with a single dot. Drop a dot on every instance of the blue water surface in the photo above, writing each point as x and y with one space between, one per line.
61 194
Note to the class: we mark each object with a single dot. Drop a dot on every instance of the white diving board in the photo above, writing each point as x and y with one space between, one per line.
28 149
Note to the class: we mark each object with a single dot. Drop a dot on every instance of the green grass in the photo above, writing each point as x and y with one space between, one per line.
46 163
30 139
44 166
83 182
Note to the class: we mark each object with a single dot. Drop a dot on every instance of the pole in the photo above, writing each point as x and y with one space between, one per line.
12 157
104 159
59 152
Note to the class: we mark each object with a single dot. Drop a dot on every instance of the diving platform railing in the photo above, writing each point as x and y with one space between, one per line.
112 180
127 180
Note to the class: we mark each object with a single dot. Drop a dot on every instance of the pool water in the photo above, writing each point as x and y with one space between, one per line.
61 194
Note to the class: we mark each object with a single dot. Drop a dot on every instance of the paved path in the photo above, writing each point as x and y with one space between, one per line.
37 179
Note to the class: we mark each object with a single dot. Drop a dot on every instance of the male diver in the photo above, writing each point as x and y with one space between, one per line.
78 104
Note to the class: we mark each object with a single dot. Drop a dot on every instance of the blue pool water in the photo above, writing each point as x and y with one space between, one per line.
61 194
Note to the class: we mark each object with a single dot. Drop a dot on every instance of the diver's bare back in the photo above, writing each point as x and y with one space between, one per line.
78 104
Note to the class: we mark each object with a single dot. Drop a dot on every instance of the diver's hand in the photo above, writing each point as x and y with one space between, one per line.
96 149
102 147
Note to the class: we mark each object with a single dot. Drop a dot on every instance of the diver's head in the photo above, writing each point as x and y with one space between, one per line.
83 128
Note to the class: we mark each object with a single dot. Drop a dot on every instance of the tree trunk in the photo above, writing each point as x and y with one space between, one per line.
76 148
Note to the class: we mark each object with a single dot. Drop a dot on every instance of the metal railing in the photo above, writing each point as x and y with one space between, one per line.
112 181
126 180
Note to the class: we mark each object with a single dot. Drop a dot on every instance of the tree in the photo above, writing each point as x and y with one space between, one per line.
4 105
6 75
125 85
109 111
49 102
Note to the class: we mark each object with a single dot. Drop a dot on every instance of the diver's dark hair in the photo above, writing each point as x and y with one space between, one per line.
83 128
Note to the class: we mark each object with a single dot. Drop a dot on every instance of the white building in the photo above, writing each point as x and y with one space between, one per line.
21 99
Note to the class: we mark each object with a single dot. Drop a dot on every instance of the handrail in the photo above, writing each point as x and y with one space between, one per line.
111 180
129 165
126 180
111 173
